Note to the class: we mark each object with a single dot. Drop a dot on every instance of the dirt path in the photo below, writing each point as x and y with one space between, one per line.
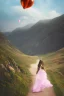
46 92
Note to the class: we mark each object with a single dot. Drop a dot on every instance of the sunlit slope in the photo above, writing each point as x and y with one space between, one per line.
14 74
54 65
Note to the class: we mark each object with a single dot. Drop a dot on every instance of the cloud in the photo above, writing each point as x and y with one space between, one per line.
31 13
34 13
53 14
27 16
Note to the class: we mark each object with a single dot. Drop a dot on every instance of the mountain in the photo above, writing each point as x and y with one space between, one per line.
43 37
15 77
27 26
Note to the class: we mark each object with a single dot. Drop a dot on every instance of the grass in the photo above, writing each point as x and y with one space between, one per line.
54 66
14 83
17 83
54 77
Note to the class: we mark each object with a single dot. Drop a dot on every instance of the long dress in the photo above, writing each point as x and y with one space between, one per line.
41 81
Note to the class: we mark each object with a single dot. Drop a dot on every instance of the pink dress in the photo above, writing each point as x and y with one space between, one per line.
41 81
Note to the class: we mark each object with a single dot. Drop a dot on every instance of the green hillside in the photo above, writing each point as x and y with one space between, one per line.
54 65
15 77
14 74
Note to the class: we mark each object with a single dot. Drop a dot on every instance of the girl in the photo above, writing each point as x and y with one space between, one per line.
41 80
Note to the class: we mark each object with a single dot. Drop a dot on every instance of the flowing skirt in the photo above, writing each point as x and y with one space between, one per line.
41 81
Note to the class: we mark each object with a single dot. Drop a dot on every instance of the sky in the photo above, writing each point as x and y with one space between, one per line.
12 15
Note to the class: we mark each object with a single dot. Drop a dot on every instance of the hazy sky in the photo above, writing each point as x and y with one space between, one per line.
11 11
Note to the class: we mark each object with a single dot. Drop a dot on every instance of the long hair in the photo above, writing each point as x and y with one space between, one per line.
39 65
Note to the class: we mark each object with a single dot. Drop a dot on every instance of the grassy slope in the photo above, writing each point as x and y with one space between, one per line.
54 65
13 83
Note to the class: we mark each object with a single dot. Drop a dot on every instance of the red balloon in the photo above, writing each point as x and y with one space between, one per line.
26 3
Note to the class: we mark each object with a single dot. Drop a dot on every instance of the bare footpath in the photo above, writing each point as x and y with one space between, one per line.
46 91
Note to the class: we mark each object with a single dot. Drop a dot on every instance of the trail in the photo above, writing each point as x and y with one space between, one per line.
46 92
